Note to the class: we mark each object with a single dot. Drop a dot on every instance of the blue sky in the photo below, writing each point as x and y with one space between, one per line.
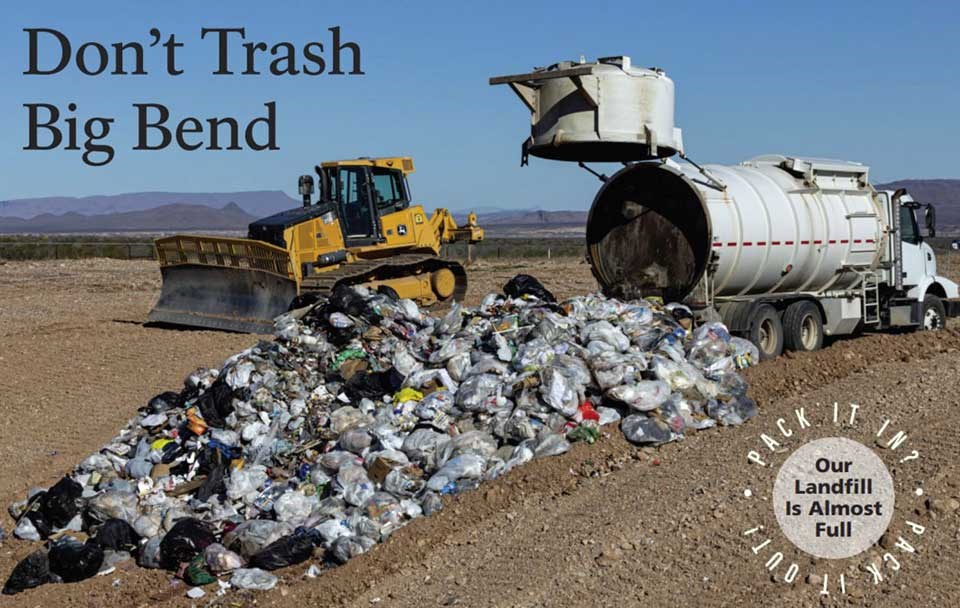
874 82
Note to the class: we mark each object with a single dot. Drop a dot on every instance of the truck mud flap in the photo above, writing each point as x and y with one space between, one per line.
229 299
952 307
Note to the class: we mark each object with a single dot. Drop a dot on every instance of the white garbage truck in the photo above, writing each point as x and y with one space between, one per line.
785 250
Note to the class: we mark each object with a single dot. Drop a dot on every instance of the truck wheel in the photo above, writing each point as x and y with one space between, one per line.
766 332
802 327
934 314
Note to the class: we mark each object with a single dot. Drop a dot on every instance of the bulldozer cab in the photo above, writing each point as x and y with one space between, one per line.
362 190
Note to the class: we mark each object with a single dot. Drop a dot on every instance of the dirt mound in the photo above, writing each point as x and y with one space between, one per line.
795 373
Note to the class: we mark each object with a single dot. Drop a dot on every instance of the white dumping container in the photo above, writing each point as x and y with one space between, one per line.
602 111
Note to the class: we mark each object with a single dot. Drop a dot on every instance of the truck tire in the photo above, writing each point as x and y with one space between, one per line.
766 331
802 327
934 315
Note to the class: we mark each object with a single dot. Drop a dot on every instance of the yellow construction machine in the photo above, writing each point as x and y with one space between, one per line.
363 230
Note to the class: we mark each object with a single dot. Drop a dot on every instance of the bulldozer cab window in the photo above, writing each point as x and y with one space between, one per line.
354 202
389 186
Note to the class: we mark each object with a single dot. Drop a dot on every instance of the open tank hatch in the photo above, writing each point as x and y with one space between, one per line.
648 233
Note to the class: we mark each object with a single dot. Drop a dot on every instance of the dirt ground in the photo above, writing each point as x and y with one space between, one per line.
607 524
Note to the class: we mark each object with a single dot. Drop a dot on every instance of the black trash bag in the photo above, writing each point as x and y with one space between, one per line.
214 485
346 300
339 336
74 561
287 551
32 571
526 285
118 535
189 393
164 401
61 503
183 542
373 385
216 403
171 452
682 313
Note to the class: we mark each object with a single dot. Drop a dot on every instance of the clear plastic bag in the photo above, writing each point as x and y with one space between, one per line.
558 391
254 579
468 466
642 396
354 483
640 429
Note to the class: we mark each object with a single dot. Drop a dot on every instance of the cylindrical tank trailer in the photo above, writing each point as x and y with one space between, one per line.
785 250
765 225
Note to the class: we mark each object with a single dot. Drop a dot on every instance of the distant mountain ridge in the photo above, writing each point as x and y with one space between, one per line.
928 190
259 203
166 218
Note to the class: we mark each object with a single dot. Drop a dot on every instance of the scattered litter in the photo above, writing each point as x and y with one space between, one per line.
359 416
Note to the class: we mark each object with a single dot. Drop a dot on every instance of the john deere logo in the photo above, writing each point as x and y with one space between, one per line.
402 229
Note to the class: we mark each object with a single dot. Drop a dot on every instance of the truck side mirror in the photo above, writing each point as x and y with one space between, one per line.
305 185
930 218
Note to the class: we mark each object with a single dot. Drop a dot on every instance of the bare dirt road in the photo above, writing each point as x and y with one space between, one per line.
606 524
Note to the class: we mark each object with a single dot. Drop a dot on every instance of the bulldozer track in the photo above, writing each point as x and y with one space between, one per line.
361 271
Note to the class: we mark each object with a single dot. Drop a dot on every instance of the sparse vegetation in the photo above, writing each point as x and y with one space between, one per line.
511 248
71 246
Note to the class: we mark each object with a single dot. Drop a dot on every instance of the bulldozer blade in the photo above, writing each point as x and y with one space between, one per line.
231 299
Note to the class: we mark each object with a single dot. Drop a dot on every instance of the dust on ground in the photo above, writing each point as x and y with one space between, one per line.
607 524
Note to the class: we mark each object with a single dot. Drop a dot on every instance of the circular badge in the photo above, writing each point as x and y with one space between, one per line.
833 498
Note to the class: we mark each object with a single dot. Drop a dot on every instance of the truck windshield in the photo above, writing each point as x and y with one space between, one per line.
909 233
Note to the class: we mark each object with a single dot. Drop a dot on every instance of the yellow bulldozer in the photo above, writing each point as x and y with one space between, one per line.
363 230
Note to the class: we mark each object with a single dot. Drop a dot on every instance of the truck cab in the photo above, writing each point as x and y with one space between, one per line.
932 298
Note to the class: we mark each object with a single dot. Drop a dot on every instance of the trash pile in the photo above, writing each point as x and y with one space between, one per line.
360 415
